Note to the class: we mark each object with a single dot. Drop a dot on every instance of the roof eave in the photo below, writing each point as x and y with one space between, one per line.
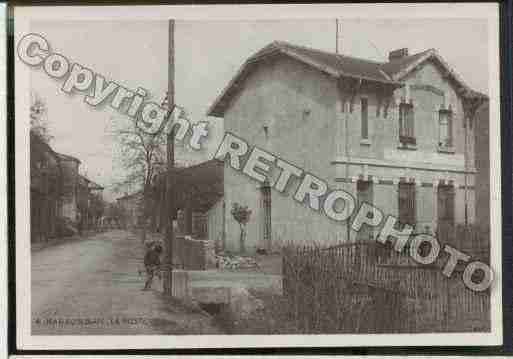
218 107
466 92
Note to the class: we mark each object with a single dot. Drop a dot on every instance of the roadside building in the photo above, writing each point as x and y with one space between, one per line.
59 195
97 205
70 190
131 209
198 190
45 190
398 134
89 202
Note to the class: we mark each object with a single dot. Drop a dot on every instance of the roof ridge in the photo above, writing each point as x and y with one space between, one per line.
286 43
361 59
330 63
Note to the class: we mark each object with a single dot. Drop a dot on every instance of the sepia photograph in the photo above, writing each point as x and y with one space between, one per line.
257 176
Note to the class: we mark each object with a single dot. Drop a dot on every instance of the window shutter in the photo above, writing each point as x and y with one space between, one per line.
411 118
407 205
449 128
364 118
401 120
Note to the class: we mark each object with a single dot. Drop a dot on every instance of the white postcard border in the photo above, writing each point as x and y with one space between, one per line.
23 16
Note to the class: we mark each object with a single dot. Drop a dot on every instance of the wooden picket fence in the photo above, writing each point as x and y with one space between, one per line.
369 288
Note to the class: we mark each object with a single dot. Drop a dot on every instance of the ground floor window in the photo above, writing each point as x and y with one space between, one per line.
446 204
407 208
446 211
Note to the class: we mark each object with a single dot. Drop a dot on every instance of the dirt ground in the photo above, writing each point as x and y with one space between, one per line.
92 286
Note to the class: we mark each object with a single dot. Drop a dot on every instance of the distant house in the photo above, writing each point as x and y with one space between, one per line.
70 176
46 195
398 134
131 207
89 201
57 191
198 193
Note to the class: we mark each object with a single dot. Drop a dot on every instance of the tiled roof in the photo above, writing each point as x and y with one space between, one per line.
335 65
330 63
90 184
67 157
203 182
38 145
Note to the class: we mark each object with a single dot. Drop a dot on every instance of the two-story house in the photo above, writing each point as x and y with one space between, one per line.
398 135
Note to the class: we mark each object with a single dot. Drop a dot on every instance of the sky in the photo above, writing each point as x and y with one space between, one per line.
207 56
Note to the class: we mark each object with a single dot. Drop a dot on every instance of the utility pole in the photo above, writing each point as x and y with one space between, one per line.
170 150
336 36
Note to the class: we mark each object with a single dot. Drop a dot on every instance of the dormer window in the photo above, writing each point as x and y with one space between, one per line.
445 138
406 124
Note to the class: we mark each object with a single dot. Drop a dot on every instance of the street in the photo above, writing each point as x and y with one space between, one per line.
92 286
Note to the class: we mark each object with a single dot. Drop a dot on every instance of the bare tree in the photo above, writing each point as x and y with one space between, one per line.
142 155
38 123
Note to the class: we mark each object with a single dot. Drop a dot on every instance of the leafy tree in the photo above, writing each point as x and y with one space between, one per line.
242 215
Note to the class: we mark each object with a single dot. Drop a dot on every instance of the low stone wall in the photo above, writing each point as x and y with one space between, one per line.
193 254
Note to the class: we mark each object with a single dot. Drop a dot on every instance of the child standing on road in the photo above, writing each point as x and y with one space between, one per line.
152 264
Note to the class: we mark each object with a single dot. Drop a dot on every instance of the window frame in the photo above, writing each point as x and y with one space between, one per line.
407 117
409 189
446 203
450 128
364 135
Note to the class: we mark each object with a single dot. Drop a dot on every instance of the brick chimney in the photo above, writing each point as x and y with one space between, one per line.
397 54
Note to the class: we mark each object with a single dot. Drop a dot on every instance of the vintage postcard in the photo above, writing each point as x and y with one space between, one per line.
257 176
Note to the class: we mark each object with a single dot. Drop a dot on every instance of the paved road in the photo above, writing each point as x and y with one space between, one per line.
92 286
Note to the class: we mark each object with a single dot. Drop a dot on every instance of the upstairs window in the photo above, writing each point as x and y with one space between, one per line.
406 124
365 118
445 128
407 203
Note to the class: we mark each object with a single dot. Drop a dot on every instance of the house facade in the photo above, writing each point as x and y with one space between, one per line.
131 207
70 188
90 203
399 135
45 190
59 195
